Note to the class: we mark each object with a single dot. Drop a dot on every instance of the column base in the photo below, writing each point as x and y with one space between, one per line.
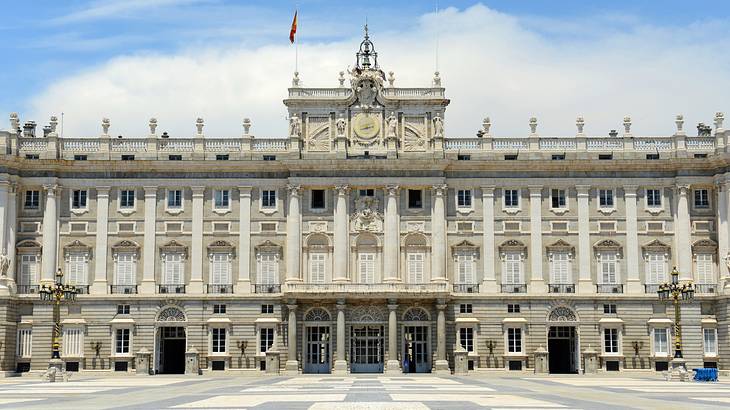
147 287
441 367
678 372
242 286
99 288
392 367
634 287
195 287
489 286
586 287
392 280
291 367
537 286
340 368
341 280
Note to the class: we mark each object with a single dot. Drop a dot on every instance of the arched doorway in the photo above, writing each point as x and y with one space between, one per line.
563 347
416 343
367 339
317 341
171 341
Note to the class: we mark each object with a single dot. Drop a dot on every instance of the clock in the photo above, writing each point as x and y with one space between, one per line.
366 126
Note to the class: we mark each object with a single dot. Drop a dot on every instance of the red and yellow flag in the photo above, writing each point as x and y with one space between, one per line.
293 30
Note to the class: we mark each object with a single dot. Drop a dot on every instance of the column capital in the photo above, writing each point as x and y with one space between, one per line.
342 190
439 189
244 191
682 188
198 191
630 190
392 307
291 306
535 190
392 190
583 190
440 304
294 189
150 191
103 191
5 185
51 189
488 191
341 305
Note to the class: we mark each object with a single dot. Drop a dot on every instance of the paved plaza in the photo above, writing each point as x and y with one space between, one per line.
362 392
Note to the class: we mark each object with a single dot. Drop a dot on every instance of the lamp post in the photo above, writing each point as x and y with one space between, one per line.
57 293
677 293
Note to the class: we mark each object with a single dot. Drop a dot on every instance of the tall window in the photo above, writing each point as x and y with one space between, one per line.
415 267
657 267
466 338
463 198
702 198
121 342
266 339
126 269
78 198
221 199
76 269
558 198
32 200
317 261
610 340
25 342
318 199
514 340
28 270
703 266
73 342
709 335
415 198
126 198
513 268
605 198
608 262
173 273
268 268
174 199
220 269
465 267
654 198
511 198
366 267
218 340
560 268
268 198
661 341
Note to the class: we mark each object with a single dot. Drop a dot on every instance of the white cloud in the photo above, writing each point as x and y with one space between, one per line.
492 64
114 8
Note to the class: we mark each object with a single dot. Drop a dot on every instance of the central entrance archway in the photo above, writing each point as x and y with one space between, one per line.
170 340
367 339
317 350
416 341
563 342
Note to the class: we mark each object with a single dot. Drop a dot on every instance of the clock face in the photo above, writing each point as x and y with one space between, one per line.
366 126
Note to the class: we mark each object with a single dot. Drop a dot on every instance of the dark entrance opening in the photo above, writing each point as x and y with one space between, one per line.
562 348
172 350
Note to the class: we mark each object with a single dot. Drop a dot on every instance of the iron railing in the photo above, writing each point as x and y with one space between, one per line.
218 288
706 288
28 289
170 288
609 288
466 288
514 288
123 289
561 288
268 288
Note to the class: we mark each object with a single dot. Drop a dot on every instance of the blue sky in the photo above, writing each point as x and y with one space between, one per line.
55 50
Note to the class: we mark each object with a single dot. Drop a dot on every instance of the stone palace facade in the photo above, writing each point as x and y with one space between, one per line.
364 241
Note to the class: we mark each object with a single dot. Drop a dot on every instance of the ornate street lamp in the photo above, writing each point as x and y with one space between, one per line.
677 293
57 293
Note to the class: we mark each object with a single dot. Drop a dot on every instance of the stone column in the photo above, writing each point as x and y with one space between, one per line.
4 205
244 240
633 283
438 234
585 283
393 365
682 234
391 235
537 282
340 361
292 364
293 235
50 236
341 234
489 282
723 235
149 249
196 254
100 285
442 365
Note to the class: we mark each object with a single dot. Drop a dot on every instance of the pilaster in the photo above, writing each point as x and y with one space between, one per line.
243 285
441 367
585 283
537 282
723 234
293 235
102 241
633 283
391 235
292 364
438 234
489 281
149 251
340 367
682 233
393 365
341 233
196 256
50 235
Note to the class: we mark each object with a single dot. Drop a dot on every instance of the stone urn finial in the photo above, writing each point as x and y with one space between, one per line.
486 125
679 121
14 122
54 124
295 80
627 124
199 124
391 78
153 125
580 123
719 118
105 124
533 125
437 79
341 79
246 125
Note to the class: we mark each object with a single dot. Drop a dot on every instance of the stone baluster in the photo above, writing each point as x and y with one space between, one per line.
244 240
438 234
102 241
293 234
50 235
391 245
341 234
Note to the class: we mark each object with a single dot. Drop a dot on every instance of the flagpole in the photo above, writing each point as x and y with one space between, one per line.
437 35
296 40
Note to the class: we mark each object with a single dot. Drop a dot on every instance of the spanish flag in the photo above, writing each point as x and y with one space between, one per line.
293 30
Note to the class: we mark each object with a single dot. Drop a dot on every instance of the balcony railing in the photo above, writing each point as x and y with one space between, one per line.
28 289
651 287
514 288
609 288
171 289
81 289
706 288
561 288
124 289
466 288
365 287
268 288
218 288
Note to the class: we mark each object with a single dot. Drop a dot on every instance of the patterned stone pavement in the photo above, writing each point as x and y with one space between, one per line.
363 392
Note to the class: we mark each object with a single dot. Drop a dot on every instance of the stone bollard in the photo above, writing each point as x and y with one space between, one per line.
590 360
142 362
192 362
272 361
460 361
541 360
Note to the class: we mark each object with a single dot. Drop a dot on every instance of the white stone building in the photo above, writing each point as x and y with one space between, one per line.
364 241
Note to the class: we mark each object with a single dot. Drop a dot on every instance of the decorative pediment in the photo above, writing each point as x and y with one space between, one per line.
173 247
317 242
367 218
368 314
415 240
560 246
704 246
28 244
607 245
512 245
125 246
464 245
77 247
221 247
656 246
268 247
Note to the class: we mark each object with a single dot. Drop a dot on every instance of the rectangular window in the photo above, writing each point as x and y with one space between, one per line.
702 198
367 192
266 339
32 156
267 308
610 340
317 265
126 198
174 199
661 341
415 267
174 157
78 198
81 157
366 267
605 198
127 157
122 341
269 158
76 269
25 342
609 308
32 200
511 198
656 265
465 268
466 338
415 198
219 309
465 308
558 198
463 198
126 265
513 308
122 309
268 268
608 268
73 342
173 274
221 157
560 268
703 266
512 268
268 198
221 199
654 198
28 270
221 269
710 341
218 340
318 201
514 340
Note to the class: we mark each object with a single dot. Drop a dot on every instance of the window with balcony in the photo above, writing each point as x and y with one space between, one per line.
656 267
560 268
77 267
220 268
28 270
32 200
465 266
608 267
317 267
268 268
513 268
704 268
702 198
125 269
173 269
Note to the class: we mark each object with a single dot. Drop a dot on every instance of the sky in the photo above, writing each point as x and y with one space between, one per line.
225 60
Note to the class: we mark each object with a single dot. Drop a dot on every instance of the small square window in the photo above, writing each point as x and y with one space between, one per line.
127 157
221 157
367 192
702 198
463 157
465 308
558 198
221 199
511 198
122 309
415 198
219 309
174 199
463 198
32 200
268 198
269 157
78 198
126 198
81 157
558 157
652 156
267 308
513 308
510 157
32 156
605 156
318 201
609 308
174 157
700 155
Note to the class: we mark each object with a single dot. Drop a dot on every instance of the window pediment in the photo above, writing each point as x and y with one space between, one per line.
28 246
560 246
512 245
704 246
221 247
268 247
125 246
173 247
607 245
77 247
656 246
